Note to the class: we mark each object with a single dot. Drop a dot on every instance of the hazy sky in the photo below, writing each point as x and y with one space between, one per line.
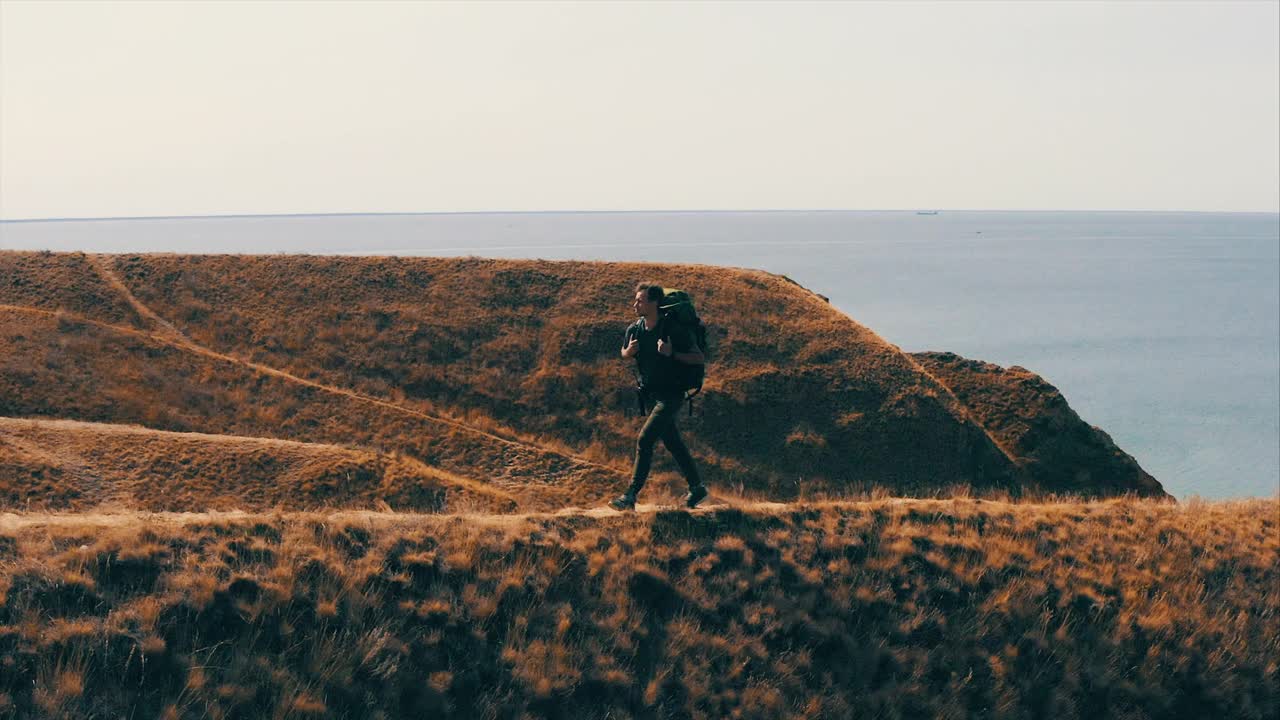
154 108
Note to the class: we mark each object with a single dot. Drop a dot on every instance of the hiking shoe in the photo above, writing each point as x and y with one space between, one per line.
695 496
623 502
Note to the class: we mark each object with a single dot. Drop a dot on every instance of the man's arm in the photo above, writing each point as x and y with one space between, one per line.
632 346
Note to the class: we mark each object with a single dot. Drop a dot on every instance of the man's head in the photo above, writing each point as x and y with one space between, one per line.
648 295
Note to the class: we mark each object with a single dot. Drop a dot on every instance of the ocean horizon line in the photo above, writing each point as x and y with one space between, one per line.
435 213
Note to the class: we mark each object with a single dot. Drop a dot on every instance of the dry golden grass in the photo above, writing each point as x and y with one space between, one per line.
532 345
76 466
886 608
62 281
305 391
63 367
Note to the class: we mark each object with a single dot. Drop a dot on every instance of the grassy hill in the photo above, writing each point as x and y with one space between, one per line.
503 371
290 487
57 367
75 466
884 608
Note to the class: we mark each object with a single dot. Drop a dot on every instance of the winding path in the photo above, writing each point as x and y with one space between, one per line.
171 335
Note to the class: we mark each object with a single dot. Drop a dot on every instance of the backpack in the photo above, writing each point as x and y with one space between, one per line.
677 307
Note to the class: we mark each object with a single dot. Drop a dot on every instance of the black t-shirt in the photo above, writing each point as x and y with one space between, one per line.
658 372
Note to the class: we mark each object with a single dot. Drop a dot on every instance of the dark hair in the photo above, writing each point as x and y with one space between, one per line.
652 291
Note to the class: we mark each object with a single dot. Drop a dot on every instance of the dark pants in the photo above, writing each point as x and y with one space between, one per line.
662 424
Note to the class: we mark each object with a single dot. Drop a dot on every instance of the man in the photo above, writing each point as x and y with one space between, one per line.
657 345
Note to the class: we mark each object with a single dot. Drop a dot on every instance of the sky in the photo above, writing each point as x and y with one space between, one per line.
114 109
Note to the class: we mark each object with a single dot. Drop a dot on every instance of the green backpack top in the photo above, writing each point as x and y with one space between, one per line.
676 306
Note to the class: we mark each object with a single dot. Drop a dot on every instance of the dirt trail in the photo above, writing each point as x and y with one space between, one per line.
714 504
172 336
108 518
547 482
181 342
102 265
19 431
118 429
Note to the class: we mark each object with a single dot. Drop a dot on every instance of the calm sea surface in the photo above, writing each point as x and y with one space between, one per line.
1161 328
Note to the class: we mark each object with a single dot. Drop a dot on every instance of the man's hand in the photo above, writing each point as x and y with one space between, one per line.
632 348
665 348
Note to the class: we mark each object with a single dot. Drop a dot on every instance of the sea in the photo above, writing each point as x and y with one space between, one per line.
1161 328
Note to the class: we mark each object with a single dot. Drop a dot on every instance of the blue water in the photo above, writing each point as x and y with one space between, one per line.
1161 328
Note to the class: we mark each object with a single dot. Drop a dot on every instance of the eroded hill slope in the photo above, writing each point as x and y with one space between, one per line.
1032 421
481 367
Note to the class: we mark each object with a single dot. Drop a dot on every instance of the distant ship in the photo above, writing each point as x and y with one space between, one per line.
926 212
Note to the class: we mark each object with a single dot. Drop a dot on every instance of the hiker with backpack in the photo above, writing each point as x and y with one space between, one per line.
664 342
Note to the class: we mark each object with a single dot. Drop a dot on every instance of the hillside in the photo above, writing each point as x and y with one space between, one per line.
504 372
75 466
889 608
1036 427
290 487
57 367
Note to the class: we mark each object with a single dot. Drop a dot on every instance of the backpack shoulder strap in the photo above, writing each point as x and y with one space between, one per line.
634 330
